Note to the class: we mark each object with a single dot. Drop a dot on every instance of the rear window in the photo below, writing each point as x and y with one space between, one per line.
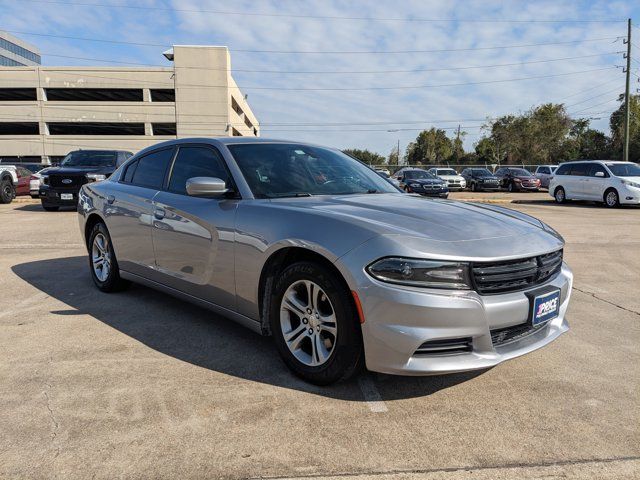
151 169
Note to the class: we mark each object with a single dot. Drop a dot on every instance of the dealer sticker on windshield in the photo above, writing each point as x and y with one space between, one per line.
545 307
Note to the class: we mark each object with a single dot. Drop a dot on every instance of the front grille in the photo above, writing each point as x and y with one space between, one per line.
60 181
445 347
514 275
502 336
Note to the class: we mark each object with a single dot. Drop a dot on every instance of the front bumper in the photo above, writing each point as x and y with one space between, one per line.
629 196
54 196
398 320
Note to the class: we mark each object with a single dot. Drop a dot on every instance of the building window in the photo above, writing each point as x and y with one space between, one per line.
247 122
235 132
94 94
163 128
9 62
17 159
19 128
162 94
18 50
94 128
17 94
236 108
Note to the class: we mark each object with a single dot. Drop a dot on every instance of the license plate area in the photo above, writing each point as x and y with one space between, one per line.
66 196
544 306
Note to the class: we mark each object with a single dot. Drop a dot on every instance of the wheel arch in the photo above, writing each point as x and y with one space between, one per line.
276 263
91 222
610 189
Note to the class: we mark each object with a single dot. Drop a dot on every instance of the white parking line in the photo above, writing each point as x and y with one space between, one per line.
371 394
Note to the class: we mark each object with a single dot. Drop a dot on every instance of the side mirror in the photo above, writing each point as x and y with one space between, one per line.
206 187
599 174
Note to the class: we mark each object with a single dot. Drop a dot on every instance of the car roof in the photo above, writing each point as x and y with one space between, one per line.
588 160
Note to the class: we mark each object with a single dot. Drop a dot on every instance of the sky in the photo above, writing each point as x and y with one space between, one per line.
364 74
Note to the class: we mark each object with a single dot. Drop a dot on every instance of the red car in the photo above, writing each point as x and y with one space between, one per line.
24 175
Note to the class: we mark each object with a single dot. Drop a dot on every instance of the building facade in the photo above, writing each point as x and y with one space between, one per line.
46 112
17 53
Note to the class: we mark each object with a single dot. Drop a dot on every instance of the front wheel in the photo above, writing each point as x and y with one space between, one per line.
102 261
314 324
511 187
473 187
7 192
560 195
611 198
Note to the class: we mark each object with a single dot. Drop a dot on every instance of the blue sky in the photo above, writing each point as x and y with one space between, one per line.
394 95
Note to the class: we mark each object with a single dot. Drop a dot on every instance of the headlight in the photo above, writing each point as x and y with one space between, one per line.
631 184
415 185
44 179
421 273
95 177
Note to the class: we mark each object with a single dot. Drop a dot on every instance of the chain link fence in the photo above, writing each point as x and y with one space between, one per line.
492 167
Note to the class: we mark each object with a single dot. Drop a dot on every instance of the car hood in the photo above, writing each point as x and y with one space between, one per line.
426 181
525 177
631 179
414 216
77 170
451 177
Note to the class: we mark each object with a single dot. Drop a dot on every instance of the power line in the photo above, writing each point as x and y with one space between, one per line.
593 106
337 52
315 17
592 98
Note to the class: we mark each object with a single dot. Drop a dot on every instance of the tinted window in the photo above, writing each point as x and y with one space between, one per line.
520 172
196 162
596 167
151 169
128 174
624 169
563 170
543 170
88 158
413 174
580 169
500 171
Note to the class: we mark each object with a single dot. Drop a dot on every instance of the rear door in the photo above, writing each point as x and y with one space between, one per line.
193 237
574 182
128 211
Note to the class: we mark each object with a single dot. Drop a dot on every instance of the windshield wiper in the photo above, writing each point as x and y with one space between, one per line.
285 195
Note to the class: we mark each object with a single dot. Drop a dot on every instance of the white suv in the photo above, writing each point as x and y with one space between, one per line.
454 180
612 183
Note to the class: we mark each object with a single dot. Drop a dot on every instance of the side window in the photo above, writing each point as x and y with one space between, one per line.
596 167
580 169
196 162
563 170
128 174
543 170
151 169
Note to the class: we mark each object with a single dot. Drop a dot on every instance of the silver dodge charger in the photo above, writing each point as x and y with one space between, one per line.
312 247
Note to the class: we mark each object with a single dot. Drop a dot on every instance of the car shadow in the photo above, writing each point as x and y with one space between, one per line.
198 336
33 207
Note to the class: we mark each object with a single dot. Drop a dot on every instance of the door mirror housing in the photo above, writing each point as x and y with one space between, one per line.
206 187
599 174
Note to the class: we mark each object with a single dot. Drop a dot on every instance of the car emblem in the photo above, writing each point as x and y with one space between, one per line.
67 181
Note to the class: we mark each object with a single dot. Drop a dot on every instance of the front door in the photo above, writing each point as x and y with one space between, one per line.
193 237
594 185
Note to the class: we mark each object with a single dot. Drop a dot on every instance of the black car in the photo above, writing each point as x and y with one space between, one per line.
480 179
422 182
60 185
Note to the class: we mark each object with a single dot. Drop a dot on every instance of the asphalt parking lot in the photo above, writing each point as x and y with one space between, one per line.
141 385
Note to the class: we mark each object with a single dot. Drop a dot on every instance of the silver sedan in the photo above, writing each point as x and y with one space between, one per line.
312 247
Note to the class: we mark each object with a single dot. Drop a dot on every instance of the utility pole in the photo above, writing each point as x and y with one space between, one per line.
398 152
627 99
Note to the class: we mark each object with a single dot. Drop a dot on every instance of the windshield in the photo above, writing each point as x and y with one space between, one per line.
418 174
520 172
624 169
275 170
89 159
447 171
482 172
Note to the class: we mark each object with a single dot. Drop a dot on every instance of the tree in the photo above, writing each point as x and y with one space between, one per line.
488 150
430 147
616 122
366 156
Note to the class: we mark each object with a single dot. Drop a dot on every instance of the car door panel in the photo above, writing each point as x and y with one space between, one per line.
193 240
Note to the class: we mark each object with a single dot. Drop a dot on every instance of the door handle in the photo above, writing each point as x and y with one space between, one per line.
111 199
159 213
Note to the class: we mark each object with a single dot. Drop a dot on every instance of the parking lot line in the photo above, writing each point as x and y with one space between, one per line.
371 394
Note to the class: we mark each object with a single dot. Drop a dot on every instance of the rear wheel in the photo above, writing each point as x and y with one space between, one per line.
511 187
559 195
102 261
314 324
7 192
611 198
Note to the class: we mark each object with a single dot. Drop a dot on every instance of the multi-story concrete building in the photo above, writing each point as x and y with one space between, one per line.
17 53
45 112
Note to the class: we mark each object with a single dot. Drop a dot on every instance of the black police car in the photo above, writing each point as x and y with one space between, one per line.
480 179
415 180
60 185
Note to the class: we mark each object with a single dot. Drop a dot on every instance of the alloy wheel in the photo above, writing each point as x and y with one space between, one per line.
611 199
308 322
101 257
560 195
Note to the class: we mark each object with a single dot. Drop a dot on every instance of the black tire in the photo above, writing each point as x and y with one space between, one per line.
50 208
7 191
611 198
113 282
346 357
511 187
560 195
473 186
